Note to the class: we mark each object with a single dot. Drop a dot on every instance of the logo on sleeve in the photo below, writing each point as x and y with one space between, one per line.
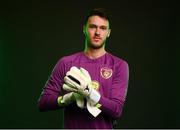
106 72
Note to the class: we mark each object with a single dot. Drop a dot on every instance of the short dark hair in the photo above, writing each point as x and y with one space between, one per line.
101 12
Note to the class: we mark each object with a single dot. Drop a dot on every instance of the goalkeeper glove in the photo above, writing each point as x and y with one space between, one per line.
80 81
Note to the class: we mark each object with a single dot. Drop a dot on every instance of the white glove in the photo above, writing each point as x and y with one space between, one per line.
80 81
79 98
80 102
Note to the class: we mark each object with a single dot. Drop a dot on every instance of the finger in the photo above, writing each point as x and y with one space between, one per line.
86 73
69 89
75 72
75 75
71 82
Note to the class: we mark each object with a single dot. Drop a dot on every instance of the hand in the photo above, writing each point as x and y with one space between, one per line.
78 98
80 81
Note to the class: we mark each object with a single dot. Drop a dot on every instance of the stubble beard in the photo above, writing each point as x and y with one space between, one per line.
91 45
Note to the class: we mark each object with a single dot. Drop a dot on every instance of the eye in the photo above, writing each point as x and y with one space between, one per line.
92 26
103 27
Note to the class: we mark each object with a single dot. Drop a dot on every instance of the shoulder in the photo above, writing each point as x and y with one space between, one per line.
69 58
116 60
121 66
64 63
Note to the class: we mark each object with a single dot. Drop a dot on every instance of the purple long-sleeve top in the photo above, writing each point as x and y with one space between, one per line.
109 71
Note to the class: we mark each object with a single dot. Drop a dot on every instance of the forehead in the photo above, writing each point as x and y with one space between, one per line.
98 21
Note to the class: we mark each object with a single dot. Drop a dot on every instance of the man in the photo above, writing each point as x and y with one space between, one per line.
91 85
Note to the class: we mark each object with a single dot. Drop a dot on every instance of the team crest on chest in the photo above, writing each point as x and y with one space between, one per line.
106 72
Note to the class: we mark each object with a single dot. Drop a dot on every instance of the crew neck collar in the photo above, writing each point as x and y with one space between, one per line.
95 59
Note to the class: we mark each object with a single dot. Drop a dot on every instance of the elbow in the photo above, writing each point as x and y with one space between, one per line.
46 104
111 107
40 106
117 111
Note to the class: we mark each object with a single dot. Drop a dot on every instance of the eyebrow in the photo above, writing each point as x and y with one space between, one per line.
97 25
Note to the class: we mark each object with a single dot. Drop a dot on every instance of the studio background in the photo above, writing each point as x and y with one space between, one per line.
34 35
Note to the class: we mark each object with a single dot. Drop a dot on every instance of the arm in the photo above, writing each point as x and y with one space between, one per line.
113 105
49 96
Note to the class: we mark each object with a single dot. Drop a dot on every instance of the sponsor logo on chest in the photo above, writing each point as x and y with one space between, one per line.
95 84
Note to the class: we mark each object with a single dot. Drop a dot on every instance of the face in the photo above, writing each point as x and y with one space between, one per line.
96 32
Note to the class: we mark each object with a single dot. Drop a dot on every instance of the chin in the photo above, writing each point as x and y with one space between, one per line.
96 46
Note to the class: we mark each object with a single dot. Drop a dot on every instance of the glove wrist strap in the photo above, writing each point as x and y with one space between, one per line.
94 96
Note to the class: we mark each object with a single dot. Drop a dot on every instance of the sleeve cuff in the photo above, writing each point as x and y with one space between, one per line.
98 105
59 101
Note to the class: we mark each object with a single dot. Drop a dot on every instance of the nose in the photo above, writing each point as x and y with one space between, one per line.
97 31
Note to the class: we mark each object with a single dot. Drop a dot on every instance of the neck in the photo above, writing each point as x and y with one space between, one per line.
94 53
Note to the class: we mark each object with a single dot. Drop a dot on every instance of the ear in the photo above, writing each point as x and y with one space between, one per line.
109 32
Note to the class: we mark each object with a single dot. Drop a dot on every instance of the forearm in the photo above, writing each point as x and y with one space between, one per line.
52 89
48 102
111 107
114 102
52 100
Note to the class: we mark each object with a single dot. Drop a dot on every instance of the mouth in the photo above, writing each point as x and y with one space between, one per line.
97 38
